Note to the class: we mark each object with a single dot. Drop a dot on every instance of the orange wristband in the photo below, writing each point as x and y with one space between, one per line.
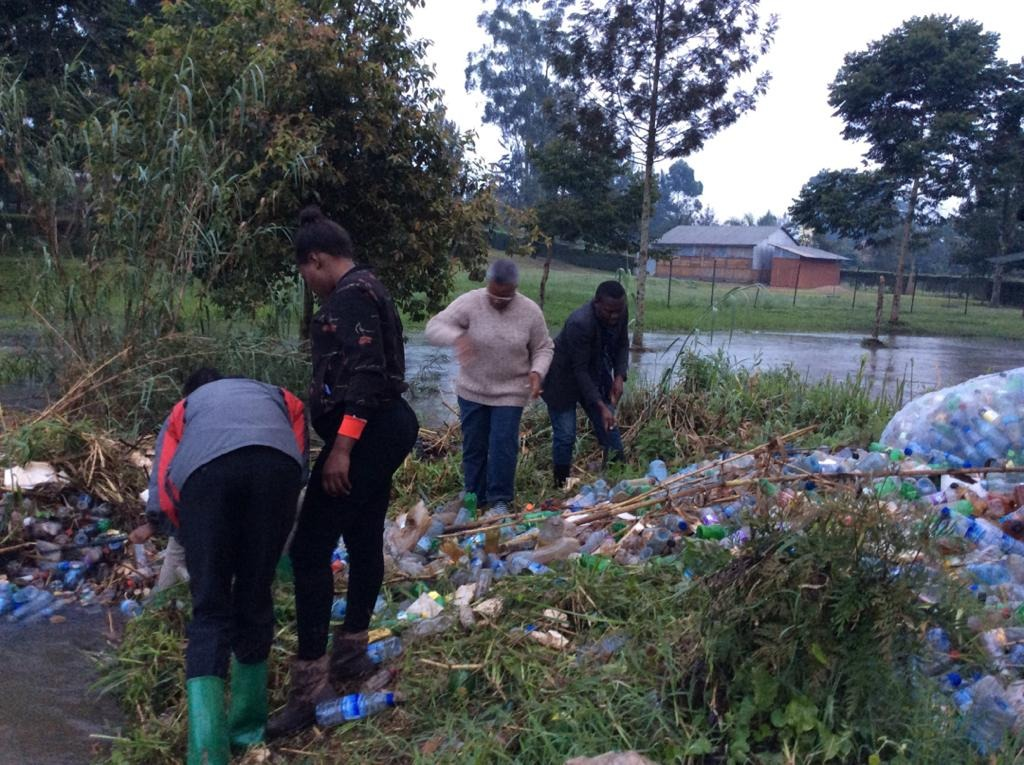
351 427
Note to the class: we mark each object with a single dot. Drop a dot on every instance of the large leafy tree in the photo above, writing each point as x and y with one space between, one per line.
241 111
918 97
991 219
86 40
667 72
848 203
566 167
514 71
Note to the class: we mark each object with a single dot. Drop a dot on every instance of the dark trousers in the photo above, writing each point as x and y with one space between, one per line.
358 518
235 514
490 447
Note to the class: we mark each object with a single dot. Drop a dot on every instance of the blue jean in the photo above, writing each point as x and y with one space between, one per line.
490 445
563 433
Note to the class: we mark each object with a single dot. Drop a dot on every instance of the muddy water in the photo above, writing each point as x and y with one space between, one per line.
48 714
920 363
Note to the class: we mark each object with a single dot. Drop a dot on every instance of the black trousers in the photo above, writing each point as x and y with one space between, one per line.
235 514
358 518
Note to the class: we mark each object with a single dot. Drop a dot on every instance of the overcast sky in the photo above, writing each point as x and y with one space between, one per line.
760 162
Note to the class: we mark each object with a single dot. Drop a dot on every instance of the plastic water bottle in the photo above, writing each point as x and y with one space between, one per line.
873 462
338 608
6 597
674 523
355 706
39 600
988 721
657 470
384 650
990 574
131 608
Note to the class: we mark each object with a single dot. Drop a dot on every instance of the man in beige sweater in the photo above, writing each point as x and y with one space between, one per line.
504 351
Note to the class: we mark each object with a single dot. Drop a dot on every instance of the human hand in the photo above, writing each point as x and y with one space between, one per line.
607 416
464 350
616 392
140 534
535 389
335 478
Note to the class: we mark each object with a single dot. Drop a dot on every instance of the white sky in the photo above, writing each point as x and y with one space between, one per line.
760 162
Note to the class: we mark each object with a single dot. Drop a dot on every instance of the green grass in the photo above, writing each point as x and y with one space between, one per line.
748 308
800 650
736 307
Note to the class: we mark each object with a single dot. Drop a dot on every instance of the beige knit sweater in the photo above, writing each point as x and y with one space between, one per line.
506 346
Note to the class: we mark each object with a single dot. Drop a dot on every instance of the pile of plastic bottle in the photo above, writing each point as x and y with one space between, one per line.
71 552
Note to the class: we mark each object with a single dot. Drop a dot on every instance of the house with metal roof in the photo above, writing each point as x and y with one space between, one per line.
745 255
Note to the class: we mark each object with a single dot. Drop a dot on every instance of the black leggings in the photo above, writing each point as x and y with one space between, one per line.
235 512
358 518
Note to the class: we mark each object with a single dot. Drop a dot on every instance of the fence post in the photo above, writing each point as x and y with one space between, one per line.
879 305
913 291
966 293
714 275
856 284
799 263
668 302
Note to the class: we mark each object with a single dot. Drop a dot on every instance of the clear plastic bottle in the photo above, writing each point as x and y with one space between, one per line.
6 597
39 600
989 720
657 470
355 706
384 650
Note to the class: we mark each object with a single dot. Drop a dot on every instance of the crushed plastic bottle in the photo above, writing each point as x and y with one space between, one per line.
384 650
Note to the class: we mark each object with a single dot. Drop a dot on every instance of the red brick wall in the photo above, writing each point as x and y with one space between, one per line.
813 273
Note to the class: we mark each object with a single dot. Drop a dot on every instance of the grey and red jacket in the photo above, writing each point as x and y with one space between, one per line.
358 352
216 419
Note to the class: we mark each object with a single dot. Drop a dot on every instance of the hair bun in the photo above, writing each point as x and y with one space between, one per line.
310 214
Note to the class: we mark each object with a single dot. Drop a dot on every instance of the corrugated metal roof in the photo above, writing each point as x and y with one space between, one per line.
719 235
1013 257
812 253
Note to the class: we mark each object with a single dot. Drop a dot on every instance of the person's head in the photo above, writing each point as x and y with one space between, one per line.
609 303
198 379
323 251
502 281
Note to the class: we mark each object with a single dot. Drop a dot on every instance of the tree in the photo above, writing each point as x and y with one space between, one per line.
676 203
665 70
242 110
87 40
514 72
990 218
848 203
918 97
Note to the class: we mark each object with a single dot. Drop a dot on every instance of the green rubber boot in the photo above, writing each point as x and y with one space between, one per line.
247 717
207 732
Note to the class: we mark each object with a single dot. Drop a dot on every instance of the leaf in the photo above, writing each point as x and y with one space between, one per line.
819 654
699 746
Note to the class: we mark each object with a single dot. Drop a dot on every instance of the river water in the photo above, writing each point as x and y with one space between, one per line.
48 713
920 363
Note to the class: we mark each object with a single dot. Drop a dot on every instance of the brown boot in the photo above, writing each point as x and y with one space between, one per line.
308 688
348 657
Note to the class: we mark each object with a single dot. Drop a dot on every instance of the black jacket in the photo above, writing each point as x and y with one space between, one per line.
358 354
576 368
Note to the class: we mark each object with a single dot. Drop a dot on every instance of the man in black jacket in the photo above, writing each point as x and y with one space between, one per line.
589 367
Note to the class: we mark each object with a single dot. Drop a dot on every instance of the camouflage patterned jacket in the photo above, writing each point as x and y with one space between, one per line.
358 353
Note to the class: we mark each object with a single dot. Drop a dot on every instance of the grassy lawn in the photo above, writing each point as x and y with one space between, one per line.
750 308
736 307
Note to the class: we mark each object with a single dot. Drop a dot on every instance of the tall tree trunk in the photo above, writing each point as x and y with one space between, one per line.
645 215
547 269
908 225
